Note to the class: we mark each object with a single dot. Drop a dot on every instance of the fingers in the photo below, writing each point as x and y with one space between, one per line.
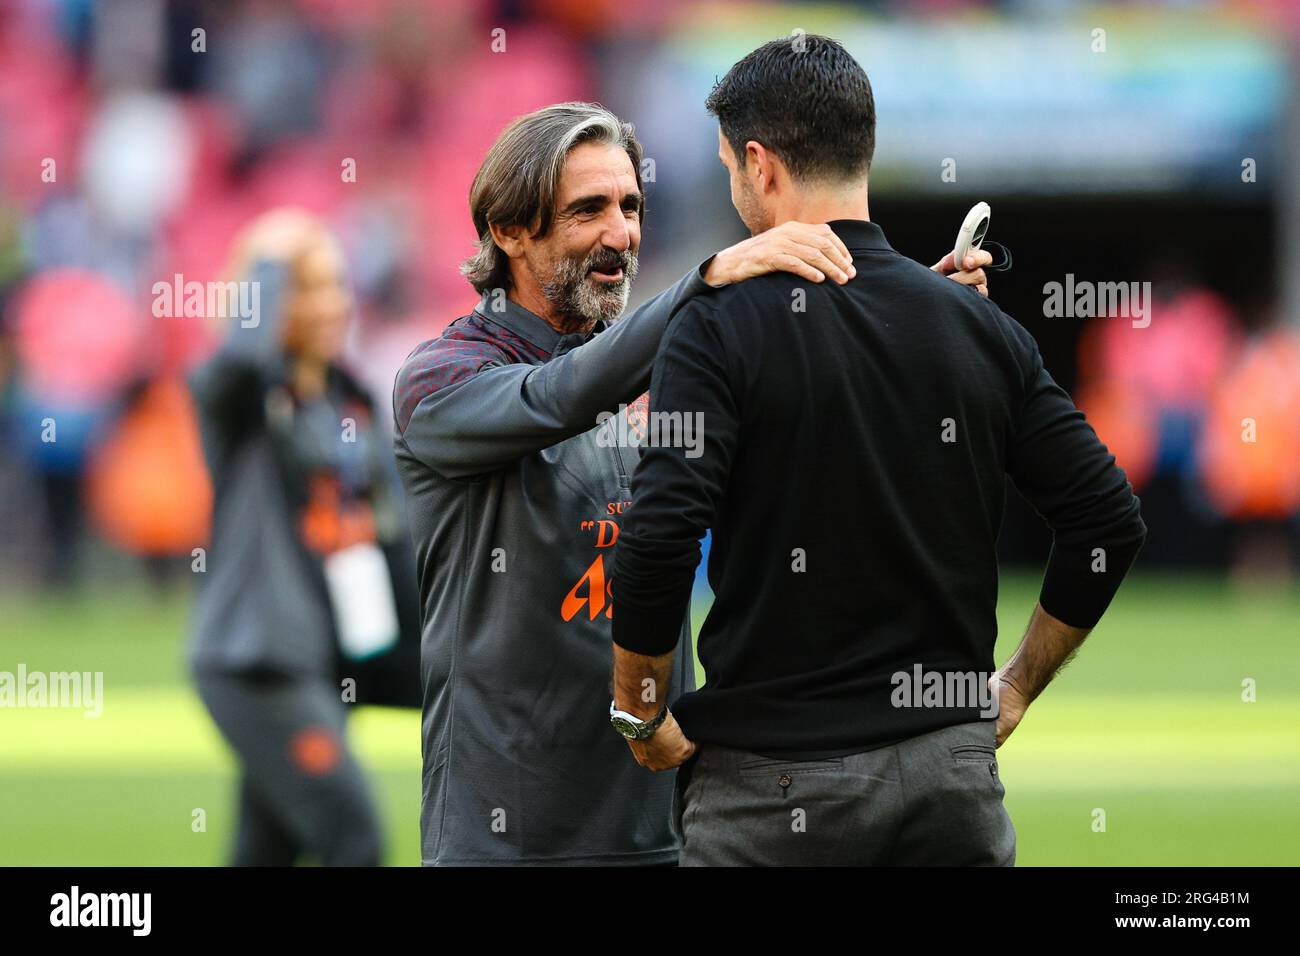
788 262
822 258
656 755
811 252
975 259
833 247
976 277
818 246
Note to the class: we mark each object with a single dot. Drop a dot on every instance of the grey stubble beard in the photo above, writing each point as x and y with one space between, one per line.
577 301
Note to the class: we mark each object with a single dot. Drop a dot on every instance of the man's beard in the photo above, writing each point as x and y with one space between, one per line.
580 301
751 211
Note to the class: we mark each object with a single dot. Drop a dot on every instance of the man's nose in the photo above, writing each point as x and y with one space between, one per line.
617 234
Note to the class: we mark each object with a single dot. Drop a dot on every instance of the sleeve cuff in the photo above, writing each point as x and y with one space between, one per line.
1076 590
699 283
652 633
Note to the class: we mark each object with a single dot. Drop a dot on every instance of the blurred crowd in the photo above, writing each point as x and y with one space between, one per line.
138 136
1203 413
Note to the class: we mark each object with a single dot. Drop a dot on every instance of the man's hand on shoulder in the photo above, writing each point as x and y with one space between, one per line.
811 251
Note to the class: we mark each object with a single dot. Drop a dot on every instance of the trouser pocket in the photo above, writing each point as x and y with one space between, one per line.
981 759
680 784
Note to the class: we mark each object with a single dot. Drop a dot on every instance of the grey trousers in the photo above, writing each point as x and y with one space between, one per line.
931 800
301 791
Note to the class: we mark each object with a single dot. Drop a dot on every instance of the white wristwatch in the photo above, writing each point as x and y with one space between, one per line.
632 727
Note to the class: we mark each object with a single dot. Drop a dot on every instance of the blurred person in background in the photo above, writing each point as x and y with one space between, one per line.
308 554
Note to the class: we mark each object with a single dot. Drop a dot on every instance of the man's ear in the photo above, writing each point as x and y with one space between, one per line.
760 164
509 239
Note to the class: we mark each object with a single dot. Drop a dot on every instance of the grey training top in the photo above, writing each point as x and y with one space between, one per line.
514 495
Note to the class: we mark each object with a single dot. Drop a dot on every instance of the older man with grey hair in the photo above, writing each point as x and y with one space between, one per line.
516 479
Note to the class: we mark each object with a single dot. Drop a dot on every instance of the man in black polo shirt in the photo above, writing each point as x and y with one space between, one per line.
856 442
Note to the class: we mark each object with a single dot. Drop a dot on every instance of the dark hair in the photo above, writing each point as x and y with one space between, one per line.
806 99
520 177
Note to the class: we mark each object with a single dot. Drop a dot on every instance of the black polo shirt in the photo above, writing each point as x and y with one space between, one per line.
857 440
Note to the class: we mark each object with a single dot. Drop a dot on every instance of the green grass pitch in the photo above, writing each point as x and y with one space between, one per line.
1147 727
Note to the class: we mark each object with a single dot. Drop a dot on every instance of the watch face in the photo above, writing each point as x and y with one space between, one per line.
624 727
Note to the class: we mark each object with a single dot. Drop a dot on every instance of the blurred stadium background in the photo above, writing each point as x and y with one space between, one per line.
132 148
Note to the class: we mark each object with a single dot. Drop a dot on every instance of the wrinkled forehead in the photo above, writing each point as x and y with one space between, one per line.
596 169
